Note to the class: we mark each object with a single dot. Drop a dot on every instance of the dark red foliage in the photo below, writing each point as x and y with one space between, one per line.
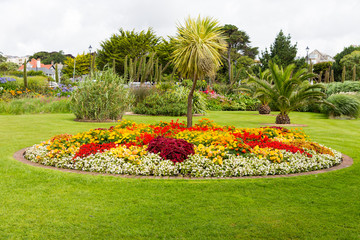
92 148
175 150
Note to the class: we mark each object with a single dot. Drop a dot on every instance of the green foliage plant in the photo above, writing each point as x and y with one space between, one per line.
339 87
103 97
343 105
322 66
198 45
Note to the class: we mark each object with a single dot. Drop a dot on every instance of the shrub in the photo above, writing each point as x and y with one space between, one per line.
35 105
8 83
140 93
103 98
338 87
170 103
175 150
344 104
161 104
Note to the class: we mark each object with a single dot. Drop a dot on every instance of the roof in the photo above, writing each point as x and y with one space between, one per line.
33 64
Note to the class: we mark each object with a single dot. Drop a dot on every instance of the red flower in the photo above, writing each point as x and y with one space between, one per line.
92 148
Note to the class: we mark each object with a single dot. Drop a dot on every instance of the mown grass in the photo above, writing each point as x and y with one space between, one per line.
38 203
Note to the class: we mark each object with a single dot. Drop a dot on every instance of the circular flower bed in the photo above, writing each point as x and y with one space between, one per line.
171 149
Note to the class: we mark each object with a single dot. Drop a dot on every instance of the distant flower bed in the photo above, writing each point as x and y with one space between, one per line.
171 149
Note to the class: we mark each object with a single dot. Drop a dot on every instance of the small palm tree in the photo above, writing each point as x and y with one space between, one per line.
288 90
197 52
251 88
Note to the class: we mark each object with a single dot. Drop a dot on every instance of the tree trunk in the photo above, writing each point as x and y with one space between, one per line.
264 109
189 106
229 62
282 118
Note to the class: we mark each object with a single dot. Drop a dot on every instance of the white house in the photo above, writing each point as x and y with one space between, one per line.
318 57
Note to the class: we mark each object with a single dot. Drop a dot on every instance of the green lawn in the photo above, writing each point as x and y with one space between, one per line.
39 203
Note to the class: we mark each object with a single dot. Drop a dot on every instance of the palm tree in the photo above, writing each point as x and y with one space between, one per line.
289 90
251 88
197 52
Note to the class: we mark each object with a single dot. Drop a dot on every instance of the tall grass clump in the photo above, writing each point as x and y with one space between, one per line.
338 87
343 105
101 97
35 105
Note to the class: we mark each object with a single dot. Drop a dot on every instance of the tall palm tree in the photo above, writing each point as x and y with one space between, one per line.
197 52
289 90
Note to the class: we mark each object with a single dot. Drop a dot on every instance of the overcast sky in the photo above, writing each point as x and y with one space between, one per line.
29 26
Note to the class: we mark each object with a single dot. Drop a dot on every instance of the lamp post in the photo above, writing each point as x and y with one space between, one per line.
90 61
307 55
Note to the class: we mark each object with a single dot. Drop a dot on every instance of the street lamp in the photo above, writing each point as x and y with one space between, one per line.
90 61
307 55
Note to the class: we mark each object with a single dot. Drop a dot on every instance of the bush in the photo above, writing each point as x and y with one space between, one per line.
140 93
159 103
101 99
170 103
8 83
35 105
344 105
175 150
338 87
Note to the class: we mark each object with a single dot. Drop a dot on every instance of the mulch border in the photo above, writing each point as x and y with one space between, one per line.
19 155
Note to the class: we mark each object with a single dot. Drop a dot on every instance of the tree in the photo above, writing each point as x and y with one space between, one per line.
164 52
48 57
288 90
238 44
282 52
351 61
126 43
82 65
198 44
8 66
337 66
2 58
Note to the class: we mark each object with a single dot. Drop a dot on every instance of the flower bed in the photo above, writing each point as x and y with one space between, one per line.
171 149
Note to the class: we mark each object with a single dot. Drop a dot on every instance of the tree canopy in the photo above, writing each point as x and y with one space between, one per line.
82 65
350 61
48 57
238 45
282 52
126 43
2 58
337 66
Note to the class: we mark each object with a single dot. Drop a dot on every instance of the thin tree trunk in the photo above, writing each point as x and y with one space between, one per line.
229 62
189 106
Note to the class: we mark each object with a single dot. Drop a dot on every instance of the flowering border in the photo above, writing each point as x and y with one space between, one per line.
19 156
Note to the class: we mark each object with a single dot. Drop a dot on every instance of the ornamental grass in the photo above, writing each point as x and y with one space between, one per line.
171 149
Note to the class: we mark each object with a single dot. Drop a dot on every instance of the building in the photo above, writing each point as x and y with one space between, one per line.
17 60
47 69
318 57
